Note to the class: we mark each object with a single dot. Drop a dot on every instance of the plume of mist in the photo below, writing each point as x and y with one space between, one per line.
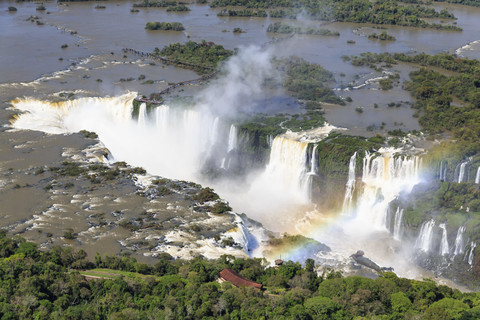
240 83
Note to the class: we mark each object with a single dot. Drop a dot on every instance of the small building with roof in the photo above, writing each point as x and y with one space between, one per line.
238 281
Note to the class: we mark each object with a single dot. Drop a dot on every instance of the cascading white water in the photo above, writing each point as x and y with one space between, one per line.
287 165
279 195
461 174
443 171
313 160
240 234
174 144
307 185
398 224
350 187
232 138
471 254
459 245
270 140
477 176
384 177
425 237
162 114
444 248
142 115
56 117
214 134
440 174
366 165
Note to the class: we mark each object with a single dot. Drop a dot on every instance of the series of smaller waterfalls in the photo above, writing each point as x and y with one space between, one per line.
433 240
463 172
383 177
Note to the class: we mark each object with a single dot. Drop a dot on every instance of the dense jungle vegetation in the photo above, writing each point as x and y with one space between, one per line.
159 4
362 11
175 26
306 81
242 13
281 27
46 285
381 36
203 54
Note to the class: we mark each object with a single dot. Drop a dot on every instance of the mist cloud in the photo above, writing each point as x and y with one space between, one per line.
240 83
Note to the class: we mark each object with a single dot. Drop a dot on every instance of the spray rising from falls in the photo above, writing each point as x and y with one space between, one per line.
279 196
172 141
288 172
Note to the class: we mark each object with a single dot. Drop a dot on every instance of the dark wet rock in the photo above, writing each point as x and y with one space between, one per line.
359 257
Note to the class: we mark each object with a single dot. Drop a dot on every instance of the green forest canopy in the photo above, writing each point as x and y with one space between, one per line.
44 285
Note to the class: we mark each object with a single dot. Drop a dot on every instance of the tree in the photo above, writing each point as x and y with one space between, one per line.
400 302
446 309
321 307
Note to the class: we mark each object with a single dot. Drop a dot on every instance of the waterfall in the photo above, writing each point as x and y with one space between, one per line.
240 234
477 176
459 246
64 117
424 239
142 115
444 249
313 160
384 177
398 225
307 184
171 141
162 117
270 140
287 169
443 171
471 254
350 187
366 165
214 134
461 174
232 138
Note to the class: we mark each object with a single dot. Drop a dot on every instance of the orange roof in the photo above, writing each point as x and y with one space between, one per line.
238 281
